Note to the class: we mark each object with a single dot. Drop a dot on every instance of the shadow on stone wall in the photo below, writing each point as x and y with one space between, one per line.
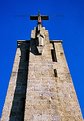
35 42
33 45
18 105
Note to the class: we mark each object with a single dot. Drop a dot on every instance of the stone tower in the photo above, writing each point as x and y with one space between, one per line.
40 87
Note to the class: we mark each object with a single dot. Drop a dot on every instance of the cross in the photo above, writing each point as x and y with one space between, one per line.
39 17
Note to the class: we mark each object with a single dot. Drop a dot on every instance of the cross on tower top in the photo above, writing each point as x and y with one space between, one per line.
39 17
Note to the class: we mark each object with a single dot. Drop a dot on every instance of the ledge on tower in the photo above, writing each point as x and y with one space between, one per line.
22 41
57 41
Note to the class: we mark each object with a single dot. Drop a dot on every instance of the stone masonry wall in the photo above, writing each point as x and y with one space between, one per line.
15 100
50 93
40 87
11 89
67 103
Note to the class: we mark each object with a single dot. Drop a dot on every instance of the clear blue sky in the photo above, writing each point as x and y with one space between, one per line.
66 23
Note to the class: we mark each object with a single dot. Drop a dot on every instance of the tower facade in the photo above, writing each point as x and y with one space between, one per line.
40 87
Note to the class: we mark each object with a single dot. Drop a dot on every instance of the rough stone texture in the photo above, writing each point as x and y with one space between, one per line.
40 87
13 109
49 96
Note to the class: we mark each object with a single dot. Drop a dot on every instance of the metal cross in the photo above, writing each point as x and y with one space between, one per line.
39 18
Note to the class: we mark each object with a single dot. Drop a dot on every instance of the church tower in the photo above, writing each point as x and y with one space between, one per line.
40 87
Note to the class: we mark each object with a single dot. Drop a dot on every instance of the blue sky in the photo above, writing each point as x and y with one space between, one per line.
66 23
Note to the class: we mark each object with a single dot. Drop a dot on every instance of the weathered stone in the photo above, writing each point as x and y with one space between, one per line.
40 87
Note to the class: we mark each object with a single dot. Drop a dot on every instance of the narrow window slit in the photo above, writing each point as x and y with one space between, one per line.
54 59
55 72
53 54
